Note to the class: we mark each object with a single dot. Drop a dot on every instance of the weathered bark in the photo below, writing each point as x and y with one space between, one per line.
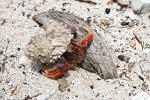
97 58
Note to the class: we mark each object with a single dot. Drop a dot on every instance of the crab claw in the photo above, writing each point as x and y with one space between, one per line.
80 54
84 42
70 58
57 71
76 55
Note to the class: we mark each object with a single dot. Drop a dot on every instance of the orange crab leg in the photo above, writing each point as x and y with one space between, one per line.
58 74
57 71
71 60
88 38
80 55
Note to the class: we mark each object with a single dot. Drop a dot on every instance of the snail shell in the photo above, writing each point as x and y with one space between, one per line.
48 48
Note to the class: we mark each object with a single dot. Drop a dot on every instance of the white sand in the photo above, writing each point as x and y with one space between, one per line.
17 27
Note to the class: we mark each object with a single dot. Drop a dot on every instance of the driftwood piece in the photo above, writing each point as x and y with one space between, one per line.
97 58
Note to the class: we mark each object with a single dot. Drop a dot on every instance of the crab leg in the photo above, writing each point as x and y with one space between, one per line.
57 71
88 38
71 60
80 55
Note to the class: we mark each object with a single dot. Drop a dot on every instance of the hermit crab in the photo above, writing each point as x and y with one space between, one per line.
56 65
68 41
74 54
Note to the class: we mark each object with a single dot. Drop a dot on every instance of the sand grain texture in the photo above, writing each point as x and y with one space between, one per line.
17 27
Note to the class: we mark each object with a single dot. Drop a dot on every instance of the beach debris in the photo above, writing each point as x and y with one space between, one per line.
123 2
124 58
92 86
140 77
139 40
107 10
42 97
110 1
88 1
124 23
63 84
141 96
15 91
140 6
132 44
144 86
105 23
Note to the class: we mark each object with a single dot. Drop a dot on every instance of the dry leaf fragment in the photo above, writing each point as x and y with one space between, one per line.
132 44
63 84
144 86
110 1
105 23
15 91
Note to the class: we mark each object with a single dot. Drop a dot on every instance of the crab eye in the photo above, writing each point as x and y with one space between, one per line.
73 29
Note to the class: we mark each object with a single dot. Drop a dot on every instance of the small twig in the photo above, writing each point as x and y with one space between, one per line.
4 21
87 1
3 64
31 97
5 58
7 45
140 42
140 77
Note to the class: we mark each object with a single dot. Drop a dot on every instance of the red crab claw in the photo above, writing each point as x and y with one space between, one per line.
70 58
57 71
77 53
88 38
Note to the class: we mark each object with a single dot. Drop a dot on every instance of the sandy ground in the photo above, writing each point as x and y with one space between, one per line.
20 78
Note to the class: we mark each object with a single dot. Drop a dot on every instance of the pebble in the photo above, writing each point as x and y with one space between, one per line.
131 15
123 2
123 58
23 60
107 10
42 97
92 86
1 52
140 6
141 96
